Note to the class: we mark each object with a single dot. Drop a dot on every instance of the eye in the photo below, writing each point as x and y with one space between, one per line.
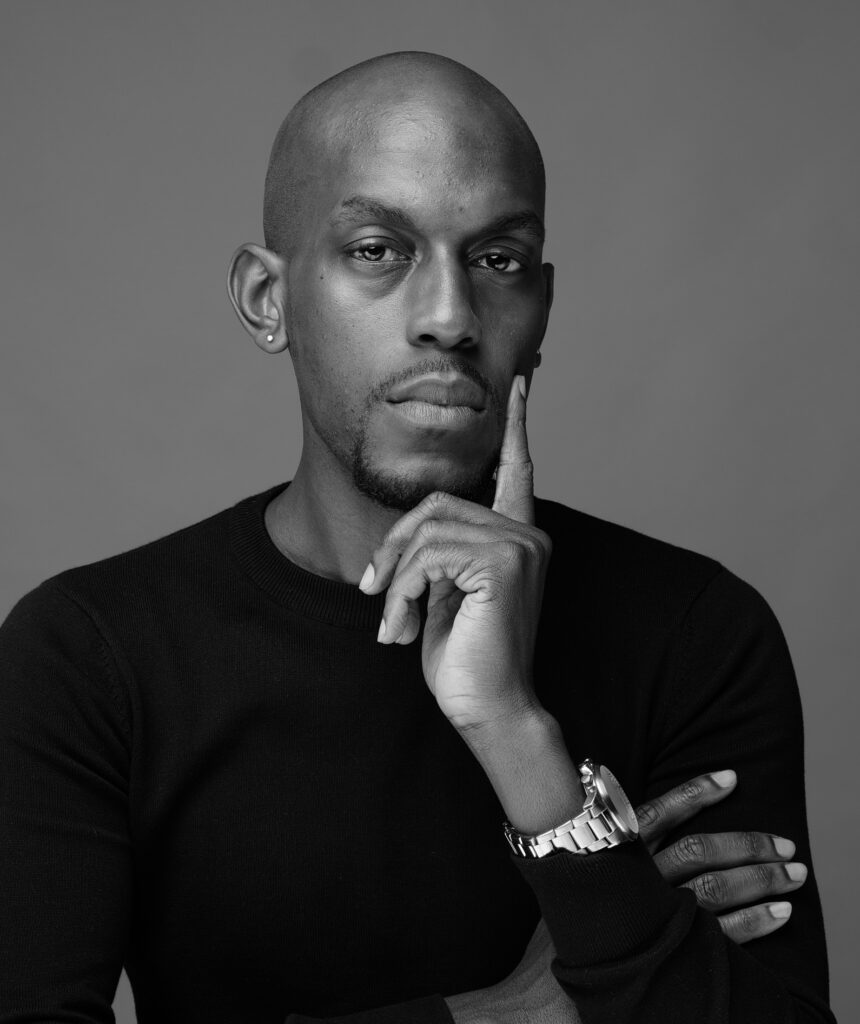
375 252
501 262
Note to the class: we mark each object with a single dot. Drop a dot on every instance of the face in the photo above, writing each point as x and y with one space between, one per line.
414 295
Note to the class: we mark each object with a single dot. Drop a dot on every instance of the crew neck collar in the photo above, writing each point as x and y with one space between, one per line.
316 597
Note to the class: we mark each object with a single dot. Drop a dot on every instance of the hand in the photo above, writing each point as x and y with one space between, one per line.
485 570
723 869
738 868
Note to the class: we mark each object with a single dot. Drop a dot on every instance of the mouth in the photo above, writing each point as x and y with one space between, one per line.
434 414
452 392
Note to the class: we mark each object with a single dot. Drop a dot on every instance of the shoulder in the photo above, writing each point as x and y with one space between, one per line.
159 576
616 578
613 568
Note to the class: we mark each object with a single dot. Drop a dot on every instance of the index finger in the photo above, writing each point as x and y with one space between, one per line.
514 496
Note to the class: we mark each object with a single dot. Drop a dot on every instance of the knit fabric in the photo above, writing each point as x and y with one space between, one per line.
212 773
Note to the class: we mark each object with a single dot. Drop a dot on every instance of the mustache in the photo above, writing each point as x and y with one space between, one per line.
437 365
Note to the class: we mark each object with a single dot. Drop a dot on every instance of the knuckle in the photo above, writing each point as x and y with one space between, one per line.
438 500
427 529
545 542
514 553
752 843
710 889
518 460
648 815
763 878
428 552
529 552
691 849
534 548
747 921
691 790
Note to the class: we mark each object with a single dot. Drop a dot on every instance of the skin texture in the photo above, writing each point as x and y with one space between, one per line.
530 993
364 301
403 218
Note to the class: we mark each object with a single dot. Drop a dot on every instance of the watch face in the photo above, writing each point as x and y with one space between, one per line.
616 799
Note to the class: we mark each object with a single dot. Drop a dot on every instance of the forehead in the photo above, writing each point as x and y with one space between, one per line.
442 163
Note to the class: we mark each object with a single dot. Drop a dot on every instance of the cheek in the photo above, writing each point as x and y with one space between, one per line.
347 323
513 328
337 343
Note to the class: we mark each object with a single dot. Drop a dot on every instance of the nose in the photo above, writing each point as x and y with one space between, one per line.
440 300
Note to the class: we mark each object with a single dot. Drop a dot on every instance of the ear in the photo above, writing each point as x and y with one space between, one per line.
256 286
548 271
549 289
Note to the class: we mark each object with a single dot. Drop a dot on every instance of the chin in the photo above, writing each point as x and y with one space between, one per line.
402 491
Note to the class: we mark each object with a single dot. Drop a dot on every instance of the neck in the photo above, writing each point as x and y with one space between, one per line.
323 524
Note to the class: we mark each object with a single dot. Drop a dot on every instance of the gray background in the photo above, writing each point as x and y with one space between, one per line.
701 366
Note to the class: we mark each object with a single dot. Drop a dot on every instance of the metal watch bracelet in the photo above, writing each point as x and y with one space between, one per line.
593 830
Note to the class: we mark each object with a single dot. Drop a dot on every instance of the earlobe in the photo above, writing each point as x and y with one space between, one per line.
255 285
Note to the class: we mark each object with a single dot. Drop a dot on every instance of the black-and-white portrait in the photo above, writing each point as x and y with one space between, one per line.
429 461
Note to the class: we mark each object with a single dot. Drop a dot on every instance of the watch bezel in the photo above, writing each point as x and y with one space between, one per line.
613 796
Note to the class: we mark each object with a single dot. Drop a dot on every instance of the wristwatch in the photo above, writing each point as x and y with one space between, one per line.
608 819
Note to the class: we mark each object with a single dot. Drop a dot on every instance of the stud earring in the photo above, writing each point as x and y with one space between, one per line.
271 337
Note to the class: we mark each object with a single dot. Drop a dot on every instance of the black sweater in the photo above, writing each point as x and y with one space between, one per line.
212 773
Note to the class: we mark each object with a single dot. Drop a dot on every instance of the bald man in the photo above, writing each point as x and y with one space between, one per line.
265 761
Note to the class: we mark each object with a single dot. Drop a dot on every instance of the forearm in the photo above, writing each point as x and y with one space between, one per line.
630 948
530 769
538 786
487 1006
429 1010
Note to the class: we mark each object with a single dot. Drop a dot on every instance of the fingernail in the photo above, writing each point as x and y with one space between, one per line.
780 910
784 847
381 632
367 578
724 779
521 382
796 872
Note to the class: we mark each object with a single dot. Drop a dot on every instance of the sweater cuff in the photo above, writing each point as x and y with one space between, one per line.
427 1010
601 907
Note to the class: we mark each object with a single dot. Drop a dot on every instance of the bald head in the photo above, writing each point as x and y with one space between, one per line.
410 91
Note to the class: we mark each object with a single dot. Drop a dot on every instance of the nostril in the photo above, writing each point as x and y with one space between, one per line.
435 339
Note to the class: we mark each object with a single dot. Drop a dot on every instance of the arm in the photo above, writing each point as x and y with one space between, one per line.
630 947
65 864
732 700
724 870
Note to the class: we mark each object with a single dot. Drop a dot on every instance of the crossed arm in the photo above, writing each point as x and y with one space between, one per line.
471 629
628 947
729 873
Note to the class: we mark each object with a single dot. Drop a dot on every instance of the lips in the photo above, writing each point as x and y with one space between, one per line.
440 390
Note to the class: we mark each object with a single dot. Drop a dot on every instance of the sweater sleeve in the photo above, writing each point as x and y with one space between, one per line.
632 948
65 861
429 1010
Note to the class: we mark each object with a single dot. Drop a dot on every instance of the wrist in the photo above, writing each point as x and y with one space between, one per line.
528 765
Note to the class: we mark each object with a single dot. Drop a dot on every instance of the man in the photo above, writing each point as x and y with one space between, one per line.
264 761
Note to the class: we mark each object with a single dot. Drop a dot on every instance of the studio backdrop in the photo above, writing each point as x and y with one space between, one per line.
700 374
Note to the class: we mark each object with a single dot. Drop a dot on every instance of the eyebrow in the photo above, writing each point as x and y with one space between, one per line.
522 220
359 208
